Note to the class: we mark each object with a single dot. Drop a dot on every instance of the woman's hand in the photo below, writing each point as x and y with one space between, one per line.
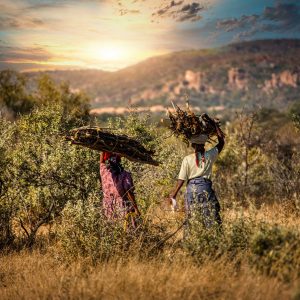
173 195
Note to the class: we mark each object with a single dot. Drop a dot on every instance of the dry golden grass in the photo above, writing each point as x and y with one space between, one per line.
32 275
36 276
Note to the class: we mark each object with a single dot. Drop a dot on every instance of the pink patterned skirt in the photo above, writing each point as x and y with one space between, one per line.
115 188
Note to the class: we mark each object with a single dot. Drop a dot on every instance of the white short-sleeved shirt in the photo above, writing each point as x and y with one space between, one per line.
189 167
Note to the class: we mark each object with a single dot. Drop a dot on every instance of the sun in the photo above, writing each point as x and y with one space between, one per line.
111 53
107 52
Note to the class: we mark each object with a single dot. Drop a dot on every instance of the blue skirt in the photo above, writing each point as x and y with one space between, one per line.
200 196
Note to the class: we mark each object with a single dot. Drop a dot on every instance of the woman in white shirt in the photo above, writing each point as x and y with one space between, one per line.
196 170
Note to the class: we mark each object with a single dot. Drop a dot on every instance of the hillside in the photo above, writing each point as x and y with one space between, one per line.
265 72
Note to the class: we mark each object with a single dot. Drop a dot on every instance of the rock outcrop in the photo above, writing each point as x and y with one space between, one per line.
195 80
237 79
285 78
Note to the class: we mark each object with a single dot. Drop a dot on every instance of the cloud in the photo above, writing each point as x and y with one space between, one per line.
189 12
19 54
287 16
124 11
233 24
280 18
12 22
180 11
38 6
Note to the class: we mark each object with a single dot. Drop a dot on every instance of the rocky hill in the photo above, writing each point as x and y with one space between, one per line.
265 73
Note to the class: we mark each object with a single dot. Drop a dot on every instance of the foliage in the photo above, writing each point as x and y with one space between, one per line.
44 172
17 97
231 239
14 98
74 105
6 204
296 120
85 232
276 251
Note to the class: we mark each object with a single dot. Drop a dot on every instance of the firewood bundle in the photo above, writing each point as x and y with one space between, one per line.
187 123
101 140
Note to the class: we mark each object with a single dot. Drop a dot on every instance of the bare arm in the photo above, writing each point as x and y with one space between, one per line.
101 158
178 186
221 143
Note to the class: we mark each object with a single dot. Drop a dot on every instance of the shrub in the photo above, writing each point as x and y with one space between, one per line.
275 251
231 239
84 232
44 171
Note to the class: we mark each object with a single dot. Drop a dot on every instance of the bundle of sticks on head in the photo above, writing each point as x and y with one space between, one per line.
187 124
100 139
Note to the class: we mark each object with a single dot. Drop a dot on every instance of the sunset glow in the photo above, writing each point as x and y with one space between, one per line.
111 34
107 52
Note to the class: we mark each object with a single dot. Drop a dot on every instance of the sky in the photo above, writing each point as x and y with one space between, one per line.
112 34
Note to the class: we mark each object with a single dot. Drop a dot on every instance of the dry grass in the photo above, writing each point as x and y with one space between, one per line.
32 275
37 276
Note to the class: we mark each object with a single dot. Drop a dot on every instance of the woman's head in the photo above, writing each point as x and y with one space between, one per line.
198 147
113 162
111 156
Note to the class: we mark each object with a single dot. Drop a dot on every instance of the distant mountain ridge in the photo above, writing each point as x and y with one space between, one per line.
264 72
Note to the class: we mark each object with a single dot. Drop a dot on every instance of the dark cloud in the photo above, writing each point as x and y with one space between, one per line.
233 24
190 12
282 17
287 16
167 9
180 11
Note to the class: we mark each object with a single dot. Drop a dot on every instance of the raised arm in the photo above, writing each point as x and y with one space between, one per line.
221 140
221 143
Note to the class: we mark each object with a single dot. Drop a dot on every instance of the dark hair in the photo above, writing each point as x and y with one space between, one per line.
198 148
114 165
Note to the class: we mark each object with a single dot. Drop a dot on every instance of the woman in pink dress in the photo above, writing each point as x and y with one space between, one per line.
118 190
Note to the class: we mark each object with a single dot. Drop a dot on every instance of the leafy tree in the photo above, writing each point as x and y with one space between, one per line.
45 172
13 96
75 105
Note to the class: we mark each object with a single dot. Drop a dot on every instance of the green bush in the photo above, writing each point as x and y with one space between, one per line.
85 232
276 251
44 171
231 239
